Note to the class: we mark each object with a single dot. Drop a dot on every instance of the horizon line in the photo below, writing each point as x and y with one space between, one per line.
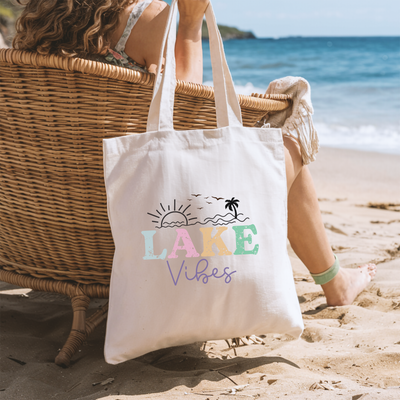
325 36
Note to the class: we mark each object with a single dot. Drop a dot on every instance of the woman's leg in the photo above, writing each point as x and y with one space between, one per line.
307 235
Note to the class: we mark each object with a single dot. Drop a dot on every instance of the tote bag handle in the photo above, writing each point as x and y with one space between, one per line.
162 104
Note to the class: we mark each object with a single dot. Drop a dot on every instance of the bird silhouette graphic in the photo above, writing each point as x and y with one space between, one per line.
208 202
196 195
217 198
200 208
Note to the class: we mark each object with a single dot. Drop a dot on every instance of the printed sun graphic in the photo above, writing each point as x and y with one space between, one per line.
171 216
201 211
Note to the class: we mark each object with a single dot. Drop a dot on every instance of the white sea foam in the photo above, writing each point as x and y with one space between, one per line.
247 89
366 137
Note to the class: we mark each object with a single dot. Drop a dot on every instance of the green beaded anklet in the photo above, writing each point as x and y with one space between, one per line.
328 275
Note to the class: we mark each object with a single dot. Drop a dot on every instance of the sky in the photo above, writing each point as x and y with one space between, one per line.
281 18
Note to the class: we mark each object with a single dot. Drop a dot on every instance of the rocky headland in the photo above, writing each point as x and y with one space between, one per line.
228 32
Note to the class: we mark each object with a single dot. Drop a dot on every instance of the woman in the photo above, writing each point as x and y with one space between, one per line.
129 33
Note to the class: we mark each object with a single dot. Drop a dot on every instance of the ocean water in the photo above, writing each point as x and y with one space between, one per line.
355 83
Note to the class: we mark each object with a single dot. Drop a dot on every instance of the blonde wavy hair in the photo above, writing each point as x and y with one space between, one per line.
67 27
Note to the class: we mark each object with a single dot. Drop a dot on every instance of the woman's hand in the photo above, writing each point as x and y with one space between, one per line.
191 13
188 49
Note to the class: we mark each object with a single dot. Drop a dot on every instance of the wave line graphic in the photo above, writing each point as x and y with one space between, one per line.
220 223
214 221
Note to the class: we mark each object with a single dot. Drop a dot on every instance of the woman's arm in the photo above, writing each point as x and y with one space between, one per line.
188 49
144 43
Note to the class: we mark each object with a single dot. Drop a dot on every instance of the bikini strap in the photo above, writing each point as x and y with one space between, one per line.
133 18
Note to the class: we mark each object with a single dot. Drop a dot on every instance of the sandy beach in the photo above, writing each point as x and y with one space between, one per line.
350 352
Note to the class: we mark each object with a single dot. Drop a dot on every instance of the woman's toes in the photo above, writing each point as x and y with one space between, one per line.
370 268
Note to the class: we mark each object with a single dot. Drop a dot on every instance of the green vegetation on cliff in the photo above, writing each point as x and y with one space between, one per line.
228 32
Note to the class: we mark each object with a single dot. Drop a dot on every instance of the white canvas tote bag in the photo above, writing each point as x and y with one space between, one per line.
199 221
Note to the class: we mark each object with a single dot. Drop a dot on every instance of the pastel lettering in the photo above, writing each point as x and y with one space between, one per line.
201 275
179 274
241 239
208 242
149 247
188 246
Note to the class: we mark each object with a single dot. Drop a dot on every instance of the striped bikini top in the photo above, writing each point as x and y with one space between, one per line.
117 56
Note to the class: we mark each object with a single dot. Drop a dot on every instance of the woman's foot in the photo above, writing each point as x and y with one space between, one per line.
348 284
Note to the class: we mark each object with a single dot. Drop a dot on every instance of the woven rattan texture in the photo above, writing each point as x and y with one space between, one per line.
54 113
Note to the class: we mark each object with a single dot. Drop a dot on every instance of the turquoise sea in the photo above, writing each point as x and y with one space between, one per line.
355 83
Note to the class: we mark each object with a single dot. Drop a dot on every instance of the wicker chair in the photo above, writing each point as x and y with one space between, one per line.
54 113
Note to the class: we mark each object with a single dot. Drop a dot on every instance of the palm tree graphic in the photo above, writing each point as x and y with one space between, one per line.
232 204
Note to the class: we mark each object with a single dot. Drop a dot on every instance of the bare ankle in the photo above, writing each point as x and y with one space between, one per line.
348 284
